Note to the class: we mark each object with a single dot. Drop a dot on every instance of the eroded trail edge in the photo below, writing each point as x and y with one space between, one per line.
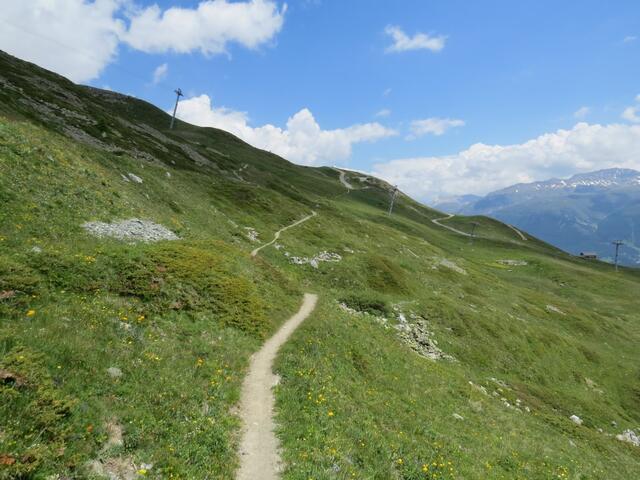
259 456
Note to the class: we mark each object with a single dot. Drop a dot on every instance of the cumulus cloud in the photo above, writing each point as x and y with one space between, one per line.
72 37
302 141
433 126
385 112
420 41
632 114
630 38
79 38
484 168
207 28
160 73
582 113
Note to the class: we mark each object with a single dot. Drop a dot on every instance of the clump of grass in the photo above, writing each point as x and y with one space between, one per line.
35 416
385 276
367 304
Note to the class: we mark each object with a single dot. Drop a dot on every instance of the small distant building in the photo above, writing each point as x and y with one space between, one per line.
589 255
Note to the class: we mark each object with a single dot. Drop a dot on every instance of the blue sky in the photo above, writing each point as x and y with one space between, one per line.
503 75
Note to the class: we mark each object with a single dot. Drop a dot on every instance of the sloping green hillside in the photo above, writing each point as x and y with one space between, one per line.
126 358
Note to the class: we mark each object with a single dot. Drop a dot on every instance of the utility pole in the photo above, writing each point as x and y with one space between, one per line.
474 225
618 244
393 199
173 119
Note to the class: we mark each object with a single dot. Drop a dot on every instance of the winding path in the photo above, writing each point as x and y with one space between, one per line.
520 234
277 234
259 457
343 179
460 232
451 215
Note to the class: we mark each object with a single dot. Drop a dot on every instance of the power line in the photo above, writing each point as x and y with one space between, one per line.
87 55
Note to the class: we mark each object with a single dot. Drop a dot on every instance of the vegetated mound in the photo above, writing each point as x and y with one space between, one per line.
147 343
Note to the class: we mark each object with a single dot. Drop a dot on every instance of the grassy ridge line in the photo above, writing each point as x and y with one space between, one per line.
194 296
178 320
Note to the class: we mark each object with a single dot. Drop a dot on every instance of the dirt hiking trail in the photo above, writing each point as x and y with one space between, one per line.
259 457
277 234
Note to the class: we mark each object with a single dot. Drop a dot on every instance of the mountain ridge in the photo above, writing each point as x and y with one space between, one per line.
585 212
430 354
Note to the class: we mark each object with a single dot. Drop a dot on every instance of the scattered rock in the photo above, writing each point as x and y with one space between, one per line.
252 235
479 388
168 174
114 434
114 372
443 262
133 229
36 249
551 308
576 419
315 261
416 334
513 263
457 417
121 468
134 178
629 436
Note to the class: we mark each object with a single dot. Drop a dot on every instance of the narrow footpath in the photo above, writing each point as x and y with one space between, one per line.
259 456
277 234
438 220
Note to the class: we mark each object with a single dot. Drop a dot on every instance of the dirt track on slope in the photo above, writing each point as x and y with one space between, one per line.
277 234
259 456
438 220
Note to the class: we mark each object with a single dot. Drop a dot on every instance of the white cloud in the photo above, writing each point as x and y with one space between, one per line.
582 113
433 126
631 114
72 37
207 28
484 168
385 112
630 38
387 92
420 41
302 141
79 38
160 73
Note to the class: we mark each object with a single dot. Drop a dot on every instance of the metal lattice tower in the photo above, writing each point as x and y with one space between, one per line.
618 244
175 110
393 199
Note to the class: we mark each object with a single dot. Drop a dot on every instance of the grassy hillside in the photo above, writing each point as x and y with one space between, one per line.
126 358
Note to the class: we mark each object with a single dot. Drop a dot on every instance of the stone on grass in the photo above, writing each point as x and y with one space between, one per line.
114 372
134 230
629 436
134 177
576 419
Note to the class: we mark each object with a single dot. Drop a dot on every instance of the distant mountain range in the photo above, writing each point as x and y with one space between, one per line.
583 213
